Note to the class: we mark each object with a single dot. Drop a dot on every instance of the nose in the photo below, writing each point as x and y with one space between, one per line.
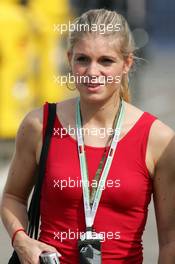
93 69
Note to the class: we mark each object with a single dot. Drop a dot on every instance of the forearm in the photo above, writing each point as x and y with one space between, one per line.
167 254
13 214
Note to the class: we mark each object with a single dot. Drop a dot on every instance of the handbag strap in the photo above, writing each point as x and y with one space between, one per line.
34 207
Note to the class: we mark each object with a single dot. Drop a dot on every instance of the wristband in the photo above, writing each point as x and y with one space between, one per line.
14 235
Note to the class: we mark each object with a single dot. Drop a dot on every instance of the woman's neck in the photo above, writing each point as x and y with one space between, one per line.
99 114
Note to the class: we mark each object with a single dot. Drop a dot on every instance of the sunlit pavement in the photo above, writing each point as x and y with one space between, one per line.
156 95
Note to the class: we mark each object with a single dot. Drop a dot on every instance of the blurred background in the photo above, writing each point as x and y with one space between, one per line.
33 52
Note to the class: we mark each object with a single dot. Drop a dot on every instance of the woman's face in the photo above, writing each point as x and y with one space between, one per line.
97 67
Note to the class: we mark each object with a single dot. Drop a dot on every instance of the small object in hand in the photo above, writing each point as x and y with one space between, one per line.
49 258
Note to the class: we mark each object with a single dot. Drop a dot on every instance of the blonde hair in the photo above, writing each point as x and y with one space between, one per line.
105 17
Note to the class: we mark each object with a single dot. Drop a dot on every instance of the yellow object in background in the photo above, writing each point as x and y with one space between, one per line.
31 57
16 55
49 45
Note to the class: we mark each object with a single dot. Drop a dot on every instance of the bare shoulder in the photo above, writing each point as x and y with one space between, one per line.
30 129
160 137
160 134
33 118
21 175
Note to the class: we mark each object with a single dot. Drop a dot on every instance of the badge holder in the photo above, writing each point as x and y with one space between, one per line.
89 247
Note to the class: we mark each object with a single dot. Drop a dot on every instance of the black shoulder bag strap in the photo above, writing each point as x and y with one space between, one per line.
34 208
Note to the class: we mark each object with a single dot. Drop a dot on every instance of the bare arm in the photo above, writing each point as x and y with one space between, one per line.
164 192
21 178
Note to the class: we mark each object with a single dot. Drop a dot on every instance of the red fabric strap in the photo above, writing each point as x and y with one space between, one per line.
14 235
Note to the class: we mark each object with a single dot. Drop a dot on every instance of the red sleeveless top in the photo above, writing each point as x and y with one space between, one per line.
122 211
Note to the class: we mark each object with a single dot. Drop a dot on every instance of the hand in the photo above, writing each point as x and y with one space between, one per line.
29 249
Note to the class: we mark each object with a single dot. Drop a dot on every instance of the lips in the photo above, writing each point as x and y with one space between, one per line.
93 87
93 84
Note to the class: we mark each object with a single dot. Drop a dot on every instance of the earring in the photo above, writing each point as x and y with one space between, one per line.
67 82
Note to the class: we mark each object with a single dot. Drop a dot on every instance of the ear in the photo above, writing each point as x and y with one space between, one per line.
128 62
69 56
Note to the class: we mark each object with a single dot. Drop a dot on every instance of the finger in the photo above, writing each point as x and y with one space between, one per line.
58 254
48 248
36 261
52 249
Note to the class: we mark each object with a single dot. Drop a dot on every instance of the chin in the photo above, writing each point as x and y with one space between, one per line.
99 96
95 98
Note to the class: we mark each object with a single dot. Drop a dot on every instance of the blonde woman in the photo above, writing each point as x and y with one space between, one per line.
134 159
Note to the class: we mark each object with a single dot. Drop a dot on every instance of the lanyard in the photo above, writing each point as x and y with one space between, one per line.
102 161
91 212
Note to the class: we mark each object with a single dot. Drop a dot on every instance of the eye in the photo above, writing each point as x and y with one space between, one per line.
107 61
82 59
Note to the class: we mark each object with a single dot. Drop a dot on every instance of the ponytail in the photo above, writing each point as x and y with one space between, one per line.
124 89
